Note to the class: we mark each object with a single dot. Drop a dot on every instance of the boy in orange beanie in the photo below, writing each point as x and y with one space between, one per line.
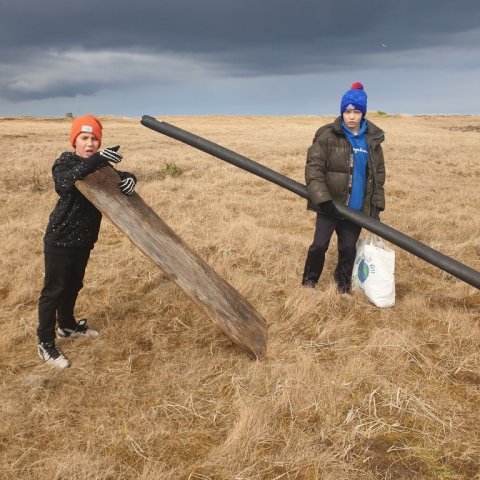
70 236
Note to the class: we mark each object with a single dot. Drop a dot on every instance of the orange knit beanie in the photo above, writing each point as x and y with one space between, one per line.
85 124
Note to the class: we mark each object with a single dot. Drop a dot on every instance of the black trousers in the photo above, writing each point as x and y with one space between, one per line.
347 235
64 274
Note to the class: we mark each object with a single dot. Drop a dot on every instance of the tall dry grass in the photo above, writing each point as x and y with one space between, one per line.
347 391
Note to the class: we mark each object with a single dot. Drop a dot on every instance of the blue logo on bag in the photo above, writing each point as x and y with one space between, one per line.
363 270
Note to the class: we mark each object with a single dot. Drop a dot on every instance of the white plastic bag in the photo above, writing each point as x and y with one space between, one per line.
374 271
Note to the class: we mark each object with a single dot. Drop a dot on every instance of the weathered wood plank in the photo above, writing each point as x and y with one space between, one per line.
237 318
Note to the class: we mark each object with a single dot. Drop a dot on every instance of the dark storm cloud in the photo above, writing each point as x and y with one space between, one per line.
213 26
245 38
56 90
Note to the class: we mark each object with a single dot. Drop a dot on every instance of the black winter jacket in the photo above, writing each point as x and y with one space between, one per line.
327 172
74 222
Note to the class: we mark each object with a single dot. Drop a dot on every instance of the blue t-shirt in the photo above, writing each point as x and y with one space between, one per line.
360 160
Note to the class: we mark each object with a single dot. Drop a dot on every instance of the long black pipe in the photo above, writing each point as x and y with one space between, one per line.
403 241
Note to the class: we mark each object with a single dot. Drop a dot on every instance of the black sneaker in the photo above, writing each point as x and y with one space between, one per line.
50 354
80 330
344 289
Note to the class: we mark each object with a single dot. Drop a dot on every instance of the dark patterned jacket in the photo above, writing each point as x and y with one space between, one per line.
74 222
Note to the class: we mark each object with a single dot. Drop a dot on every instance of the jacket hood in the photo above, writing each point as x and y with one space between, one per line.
373 132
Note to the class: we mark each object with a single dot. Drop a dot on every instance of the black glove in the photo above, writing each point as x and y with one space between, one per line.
376 213
127 185
328 208
102 157
111 155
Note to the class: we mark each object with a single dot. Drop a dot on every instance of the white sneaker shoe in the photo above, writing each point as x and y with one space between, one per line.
81 330
50 354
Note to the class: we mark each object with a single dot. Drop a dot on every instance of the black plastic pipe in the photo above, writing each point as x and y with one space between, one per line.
447 264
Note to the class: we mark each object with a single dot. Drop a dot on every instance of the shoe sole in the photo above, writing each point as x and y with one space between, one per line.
76 335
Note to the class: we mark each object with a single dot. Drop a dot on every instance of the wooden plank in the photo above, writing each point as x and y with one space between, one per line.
237 318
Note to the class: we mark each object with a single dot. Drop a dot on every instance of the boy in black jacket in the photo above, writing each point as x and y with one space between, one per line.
70 236
344 164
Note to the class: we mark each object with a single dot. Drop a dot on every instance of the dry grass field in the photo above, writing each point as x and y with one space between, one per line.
348 391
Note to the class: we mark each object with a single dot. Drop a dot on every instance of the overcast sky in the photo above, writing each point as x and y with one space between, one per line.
273 57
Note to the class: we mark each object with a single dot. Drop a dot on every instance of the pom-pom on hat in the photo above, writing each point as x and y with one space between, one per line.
354 99
85 124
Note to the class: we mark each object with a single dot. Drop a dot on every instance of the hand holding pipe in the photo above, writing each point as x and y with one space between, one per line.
447 264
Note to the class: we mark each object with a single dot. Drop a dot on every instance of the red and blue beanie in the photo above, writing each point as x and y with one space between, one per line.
354 99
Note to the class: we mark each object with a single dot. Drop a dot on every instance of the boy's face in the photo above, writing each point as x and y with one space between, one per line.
86 144
352 119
